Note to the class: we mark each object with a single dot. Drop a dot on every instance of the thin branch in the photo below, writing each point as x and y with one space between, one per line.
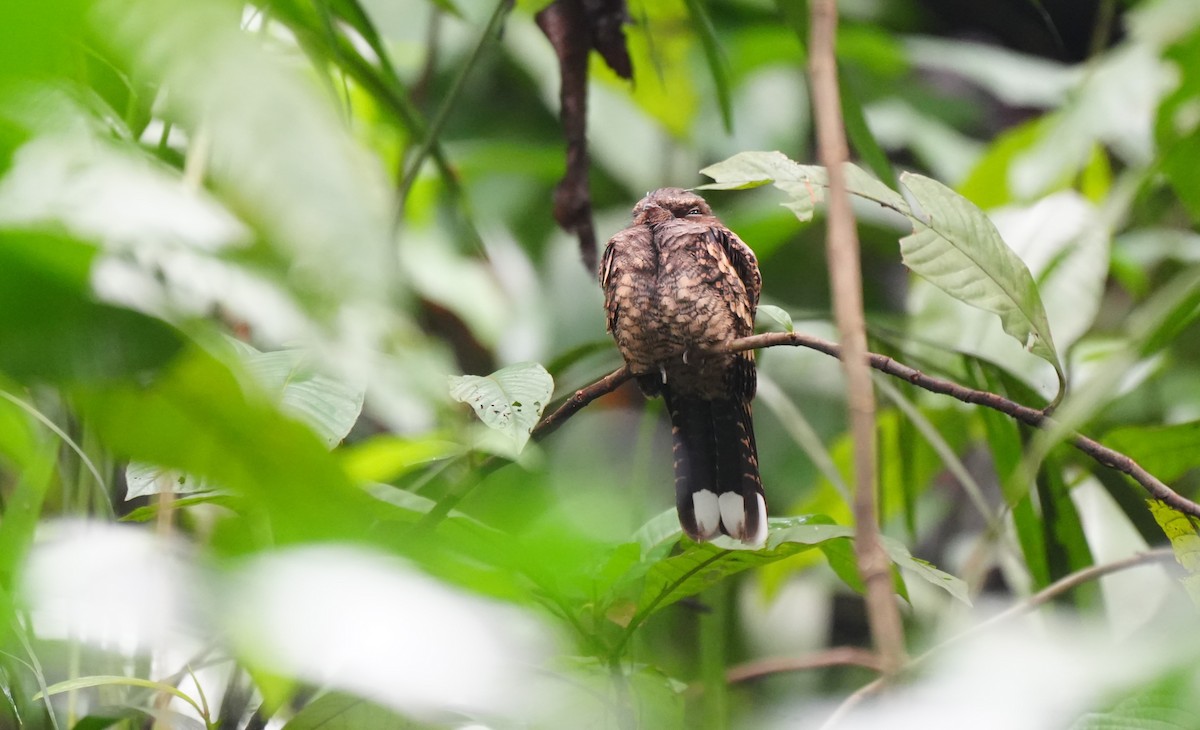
845 275
1047 594
841 656
1029 416
1056 589
582 397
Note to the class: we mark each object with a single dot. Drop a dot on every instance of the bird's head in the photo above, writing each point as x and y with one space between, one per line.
666 203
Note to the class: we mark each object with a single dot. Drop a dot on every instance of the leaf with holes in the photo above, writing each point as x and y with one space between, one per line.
509 400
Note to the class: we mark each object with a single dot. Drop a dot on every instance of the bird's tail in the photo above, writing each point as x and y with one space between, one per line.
717 485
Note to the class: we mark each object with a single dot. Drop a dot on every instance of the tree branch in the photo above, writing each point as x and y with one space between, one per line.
841 656
845 275
582 397
1029 416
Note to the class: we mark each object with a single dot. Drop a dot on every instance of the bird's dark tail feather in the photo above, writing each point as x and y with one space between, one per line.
717 485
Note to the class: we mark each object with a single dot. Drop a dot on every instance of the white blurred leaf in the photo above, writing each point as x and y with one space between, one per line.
113 586
509 400
278 152
373 626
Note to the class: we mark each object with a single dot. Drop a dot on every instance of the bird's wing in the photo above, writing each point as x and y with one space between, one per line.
620 255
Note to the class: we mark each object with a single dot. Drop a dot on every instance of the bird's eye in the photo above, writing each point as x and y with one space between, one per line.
694 211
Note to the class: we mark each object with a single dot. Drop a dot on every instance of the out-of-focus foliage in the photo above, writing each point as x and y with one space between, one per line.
282 297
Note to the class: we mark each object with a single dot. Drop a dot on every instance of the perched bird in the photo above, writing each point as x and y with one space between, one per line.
677 285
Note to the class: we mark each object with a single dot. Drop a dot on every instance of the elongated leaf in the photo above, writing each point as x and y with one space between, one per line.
924 570
509 400
51 328
109 680
955 247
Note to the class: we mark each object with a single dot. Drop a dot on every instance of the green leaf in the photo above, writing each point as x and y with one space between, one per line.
1168 703
108 680
924 570
1067 549
956 248
52 328
196 418
383 458
339 711
777 315
1167 452
330 406
703 565
1182 531
860 134
509 400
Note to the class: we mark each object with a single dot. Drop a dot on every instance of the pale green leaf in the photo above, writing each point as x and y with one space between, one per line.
509 400
900 555
955 247
778 315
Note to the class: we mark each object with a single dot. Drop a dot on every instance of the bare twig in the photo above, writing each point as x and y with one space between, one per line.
582 397
841 656
845 274
1056 589
1029 416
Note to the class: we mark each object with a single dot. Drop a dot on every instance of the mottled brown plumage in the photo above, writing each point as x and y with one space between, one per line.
677 285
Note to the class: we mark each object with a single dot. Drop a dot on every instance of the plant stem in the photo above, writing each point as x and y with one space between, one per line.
845 274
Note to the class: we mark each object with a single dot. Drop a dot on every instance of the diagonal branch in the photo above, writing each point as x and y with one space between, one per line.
1029 416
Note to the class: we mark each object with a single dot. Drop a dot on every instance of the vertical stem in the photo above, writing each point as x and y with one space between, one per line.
846 279
714 632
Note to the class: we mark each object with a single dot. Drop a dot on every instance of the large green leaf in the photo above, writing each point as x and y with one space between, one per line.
509 400
955 247
953 244
703 565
